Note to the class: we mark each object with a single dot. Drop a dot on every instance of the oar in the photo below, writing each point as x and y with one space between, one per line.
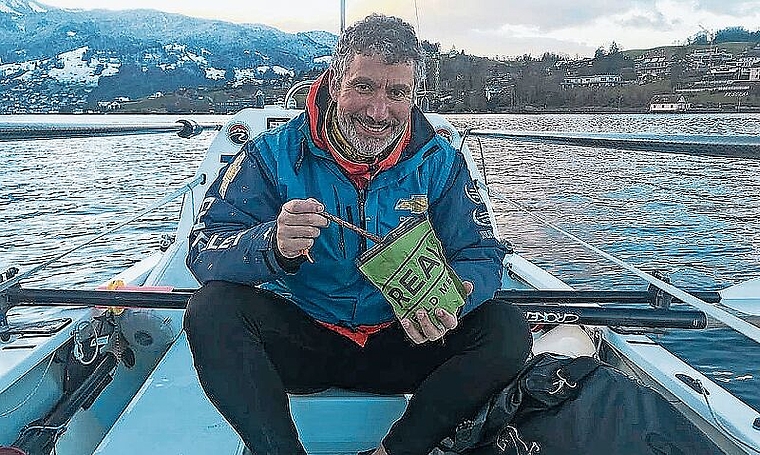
615 317
736 146
16 131
743 297
554 314
571 296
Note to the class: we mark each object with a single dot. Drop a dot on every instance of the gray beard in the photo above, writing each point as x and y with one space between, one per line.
366 148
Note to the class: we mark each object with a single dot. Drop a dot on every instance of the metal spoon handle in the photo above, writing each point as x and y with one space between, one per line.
357 229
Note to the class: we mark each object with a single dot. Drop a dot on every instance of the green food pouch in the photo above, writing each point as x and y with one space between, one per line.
410 270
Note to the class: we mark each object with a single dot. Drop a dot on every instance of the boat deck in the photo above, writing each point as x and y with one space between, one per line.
171 415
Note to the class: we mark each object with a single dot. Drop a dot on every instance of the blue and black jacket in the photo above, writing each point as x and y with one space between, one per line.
232 239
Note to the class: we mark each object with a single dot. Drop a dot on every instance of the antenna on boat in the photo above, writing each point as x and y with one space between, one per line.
342 16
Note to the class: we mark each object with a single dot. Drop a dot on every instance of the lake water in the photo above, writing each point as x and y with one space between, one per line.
697 218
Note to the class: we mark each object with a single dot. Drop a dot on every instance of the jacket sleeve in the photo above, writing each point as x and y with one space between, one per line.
233 235
462 223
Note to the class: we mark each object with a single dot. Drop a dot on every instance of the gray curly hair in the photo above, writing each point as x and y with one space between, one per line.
377 34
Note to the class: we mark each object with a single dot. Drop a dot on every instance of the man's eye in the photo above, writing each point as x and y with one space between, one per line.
363 88
398 95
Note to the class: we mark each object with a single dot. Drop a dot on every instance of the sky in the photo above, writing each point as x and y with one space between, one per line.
504 28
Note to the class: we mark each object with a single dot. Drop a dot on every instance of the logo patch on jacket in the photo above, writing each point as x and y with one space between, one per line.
481 218
231 173
417 204
446 134
472 193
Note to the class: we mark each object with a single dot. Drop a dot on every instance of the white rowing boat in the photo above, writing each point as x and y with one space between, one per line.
81 378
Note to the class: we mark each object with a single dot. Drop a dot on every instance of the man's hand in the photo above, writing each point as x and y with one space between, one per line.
427 329
298 224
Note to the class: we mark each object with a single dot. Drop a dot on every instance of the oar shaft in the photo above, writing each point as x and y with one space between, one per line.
31 296
737 146
33 131
551 314
614 317
559 296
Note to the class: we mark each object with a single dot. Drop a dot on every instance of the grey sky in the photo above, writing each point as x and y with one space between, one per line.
487 27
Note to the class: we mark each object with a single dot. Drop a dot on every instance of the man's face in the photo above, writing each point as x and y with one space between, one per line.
374 102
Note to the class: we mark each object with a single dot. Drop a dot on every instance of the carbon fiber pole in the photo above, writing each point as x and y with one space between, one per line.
10 131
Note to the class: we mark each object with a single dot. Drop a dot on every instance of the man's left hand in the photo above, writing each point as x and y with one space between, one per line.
427 330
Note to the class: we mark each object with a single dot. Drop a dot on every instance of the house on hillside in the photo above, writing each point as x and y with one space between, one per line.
668 103
754 73
594 80
652 66
704 59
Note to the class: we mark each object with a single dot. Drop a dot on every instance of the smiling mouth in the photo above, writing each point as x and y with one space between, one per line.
375 128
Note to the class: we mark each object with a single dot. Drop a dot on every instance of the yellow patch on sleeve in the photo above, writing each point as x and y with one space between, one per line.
231 173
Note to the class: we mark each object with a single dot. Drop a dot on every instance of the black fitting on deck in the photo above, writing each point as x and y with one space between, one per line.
5 304
8 274
189 129
660 299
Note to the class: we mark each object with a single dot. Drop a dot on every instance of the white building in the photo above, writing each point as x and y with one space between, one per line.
668 103
754 74
597 80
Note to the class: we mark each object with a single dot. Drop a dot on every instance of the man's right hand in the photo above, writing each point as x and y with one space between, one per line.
298 224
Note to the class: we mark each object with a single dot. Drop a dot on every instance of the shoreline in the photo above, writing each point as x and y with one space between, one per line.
534 111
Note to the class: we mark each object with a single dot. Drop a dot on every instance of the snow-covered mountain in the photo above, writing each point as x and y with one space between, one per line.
100 54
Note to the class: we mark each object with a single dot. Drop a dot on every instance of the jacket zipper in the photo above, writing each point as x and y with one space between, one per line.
362 218
341 237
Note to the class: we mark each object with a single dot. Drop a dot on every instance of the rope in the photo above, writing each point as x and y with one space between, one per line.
704 393
79 344
738 324
188 186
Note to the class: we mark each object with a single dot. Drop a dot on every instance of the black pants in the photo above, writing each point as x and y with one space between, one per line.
250 347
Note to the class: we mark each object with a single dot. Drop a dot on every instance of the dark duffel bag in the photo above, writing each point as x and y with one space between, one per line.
560 405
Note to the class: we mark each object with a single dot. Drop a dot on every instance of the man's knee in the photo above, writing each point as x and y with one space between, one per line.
504 330
210 306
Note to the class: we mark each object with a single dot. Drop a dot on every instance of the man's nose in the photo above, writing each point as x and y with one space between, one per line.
378 108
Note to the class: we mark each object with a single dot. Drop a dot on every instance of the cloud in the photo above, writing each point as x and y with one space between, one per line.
645 20
490 27
515 28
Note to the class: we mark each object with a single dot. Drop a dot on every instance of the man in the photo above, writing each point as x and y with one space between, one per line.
283 308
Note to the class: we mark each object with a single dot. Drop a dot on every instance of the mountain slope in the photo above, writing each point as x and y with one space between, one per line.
134 53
